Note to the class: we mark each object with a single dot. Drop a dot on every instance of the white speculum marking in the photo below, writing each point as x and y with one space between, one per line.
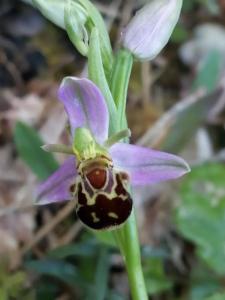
113 215
95 218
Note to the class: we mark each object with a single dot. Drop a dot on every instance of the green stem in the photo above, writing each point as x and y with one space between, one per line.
127 236
119 83
127 240
132 258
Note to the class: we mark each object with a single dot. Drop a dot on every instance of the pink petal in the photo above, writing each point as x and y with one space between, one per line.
85 106
150 29
147 166
56 187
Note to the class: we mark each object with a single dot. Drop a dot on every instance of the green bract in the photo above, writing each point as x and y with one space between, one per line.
78 18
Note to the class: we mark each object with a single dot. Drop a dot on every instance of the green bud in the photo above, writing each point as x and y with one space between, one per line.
53 10
78 18
75 18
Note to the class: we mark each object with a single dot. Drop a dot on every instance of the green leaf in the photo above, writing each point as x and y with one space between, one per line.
81 250
188 5
179 35
46 290
184 118
97 75
217 297
177 126
208 75
112 295
61 270
28 144
102 274
200 290
155 278
204 283
201 215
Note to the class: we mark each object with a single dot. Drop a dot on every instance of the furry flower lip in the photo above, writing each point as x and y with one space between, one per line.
100 169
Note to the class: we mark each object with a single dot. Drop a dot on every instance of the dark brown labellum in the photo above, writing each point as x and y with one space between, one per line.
103 201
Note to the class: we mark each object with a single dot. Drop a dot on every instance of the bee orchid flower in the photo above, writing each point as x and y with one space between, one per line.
100 169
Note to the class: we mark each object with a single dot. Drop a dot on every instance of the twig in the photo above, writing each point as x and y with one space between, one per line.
71 234
49 226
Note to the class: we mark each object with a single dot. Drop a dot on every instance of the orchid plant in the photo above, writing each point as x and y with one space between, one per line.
102 165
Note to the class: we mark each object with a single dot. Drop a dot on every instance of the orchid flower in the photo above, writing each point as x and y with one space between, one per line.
100 169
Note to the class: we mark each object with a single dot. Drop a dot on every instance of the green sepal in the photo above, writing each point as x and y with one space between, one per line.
84 145
75 18
51 10
28 144
105 45
97 75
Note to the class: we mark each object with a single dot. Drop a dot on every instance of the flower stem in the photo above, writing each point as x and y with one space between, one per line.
127 236
127 239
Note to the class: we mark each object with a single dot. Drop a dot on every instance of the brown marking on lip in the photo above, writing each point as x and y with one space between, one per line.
120 190
110 182
82 199
103 201
103 210
72 188
124 176
97 178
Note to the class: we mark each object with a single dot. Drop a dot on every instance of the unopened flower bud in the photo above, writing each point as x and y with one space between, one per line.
150 29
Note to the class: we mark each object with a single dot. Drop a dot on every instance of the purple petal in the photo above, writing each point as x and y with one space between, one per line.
56 187
147 166
85 106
